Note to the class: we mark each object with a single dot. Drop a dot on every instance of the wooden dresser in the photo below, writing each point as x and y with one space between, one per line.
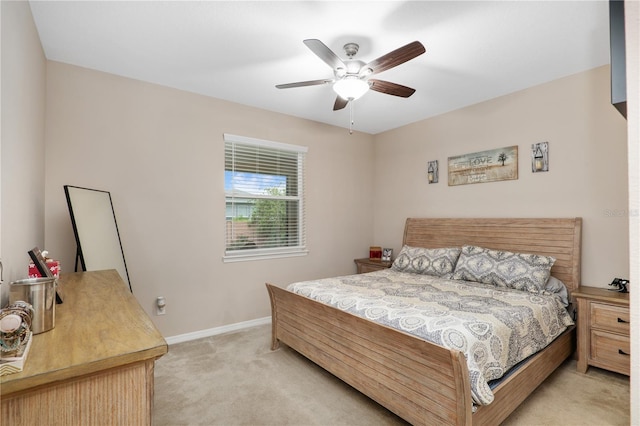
95 367
603 329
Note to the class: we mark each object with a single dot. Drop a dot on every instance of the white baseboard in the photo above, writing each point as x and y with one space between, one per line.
217 330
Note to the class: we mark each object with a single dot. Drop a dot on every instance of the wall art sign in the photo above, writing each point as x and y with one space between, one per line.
485 166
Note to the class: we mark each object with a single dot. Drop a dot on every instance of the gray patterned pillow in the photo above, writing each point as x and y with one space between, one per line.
521 271
419 260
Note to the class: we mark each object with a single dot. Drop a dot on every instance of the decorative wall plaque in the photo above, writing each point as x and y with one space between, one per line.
485 166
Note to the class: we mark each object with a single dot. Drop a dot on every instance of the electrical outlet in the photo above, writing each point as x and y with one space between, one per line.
161 306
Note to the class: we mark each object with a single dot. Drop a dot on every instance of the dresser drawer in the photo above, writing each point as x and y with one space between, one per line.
610 317
611 351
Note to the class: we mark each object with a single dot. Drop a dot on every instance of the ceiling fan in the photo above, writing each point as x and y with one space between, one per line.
352 77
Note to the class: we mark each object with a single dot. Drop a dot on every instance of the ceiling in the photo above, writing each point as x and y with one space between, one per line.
239 50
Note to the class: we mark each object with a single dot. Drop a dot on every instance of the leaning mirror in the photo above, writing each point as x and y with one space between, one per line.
96 231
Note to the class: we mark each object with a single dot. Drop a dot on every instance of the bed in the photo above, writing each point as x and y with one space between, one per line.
422 382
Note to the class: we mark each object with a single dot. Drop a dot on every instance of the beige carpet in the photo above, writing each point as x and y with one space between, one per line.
235 379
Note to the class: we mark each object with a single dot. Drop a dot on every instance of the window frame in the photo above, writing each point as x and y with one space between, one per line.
239 255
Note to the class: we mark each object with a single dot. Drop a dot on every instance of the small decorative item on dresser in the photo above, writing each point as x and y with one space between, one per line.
619 285
375 253
42 266
15 336
386 254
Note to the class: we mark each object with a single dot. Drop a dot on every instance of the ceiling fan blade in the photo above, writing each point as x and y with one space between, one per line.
389 88
340 103
394 58
324 53
303 83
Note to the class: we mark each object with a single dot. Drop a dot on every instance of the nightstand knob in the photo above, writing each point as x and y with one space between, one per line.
624 321
621 352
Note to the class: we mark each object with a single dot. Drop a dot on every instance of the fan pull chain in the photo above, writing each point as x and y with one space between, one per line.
351 117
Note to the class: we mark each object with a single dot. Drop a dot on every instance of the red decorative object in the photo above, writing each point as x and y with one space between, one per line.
53 265
375 253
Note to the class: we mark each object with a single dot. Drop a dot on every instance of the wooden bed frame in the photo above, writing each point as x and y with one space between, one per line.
421 382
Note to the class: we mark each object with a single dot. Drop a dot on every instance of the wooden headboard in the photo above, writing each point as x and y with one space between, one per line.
560 238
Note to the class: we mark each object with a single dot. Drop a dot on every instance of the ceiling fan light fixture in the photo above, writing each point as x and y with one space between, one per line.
350 87
365 72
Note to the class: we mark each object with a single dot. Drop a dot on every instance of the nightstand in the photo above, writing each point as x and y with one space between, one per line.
368 265
603 329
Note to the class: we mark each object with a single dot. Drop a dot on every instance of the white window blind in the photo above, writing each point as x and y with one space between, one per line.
264 196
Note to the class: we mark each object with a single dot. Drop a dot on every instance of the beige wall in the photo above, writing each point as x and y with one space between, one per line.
587 160
22 144
159 151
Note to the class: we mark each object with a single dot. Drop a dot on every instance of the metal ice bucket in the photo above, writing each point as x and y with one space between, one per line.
41 294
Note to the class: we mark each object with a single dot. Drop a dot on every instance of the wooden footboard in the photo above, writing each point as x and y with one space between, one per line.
421 382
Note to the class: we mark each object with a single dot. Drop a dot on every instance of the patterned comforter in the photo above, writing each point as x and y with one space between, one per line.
494 327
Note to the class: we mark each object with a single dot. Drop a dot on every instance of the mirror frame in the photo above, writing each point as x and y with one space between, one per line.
96 231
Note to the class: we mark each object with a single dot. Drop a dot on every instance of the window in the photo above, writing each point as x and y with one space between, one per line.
263 184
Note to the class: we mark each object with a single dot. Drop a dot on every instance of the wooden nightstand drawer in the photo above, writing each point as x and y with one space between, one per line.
366 265
370 268
610 317
611 351
603 329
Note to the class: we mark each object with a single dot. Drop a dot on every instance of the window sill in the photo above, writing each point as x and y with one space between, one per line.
251 255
